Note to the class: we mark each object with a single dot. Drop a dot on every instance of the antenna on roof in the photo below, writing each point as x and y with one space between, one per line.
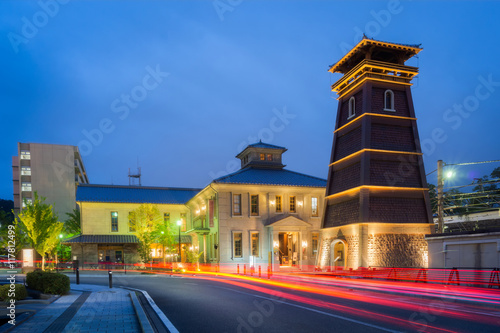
132 177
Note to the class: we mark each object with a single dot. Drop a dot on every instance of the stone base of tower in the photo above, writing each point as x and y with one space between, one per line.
374 245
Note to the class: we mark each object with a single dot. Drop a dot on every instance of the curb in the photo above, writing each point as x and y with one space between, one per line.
141 315
168 324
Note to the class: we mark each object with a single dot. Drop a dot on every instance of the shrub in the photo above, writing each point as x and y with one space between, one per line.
19 292
48 282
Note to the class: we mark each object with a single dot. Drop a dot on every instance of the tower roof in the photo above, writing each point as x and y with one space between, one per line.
379 50
263 145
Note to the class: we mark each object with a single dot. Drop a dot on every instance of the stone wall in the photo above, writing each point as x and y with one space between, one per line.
378 245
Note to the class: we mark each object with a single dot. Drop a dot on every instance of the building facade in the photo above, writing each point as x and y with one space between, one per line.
107 235
53 171
377 211
261 214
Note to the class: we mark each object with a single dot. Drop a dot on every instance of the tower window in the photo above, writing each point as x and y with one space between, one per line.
262 157
269 157
352 107
389 101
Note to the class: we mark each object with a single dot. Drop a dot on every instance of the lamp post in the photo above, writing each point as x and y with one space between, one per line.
179 223
57 259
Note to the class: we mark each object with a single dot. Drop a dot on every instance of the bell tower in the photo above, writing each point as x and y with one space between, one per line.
377 207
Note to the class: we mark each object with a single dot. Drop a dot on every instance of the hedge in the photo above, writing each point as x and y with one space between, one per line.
48 282
19 292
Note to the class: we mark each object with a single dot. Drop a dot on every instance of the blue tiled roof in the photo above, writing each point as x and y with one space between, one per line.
134 194
261 144
271 177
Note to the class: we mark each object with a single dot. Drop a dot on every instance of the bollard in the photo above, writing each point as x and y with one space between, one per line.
238 269
245 269
110 274
259 272
77 275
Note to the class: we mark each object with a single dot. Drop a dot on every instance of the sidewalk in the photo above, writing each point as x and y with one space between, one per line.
87 308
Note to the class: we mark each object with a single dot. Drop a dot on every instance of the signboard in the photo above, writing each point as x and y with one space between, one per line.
28 255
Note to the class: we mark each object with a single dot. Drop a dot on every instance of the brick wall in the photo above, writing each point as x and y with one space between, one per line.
394 173
397 210
400 102
345 178
344 110
397 250
390 137
348 144
342 213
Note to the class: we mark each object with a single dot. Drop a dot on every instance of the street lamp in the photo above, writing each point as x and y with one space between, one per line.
179 223
60 246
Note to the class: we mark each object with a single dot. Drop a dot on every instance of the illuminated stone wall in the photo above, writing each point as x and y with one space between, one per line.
384 245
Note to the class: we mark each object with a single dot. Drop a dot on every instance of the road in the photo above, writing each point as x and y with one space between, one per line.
208 303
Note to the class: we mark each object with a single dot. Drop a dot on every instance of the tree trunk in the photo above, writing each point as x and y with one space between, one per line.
43 263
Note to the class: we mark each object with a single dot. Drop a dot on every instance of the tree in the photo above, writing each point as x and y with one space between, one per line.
146 221
72 225
41 225
6 220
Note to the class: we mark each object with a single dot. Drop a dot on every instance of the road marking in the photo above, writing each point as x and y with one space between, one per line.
314 310
155 307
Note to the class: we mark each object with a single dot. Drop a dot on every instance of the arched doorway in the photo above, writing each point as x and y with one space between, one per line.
338 254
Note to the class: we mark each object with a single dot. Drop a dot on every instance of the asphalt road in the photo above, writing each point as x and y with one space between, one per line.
218 304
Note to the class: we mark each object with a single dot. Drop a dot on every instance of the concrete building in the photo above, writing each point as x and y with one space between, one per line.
377 209
53 171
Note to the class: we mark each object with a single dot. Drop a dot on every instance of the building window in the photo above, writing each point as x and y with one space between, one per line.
269 157
292 204
27 202
315 237
314 206
255 243
389 101
26 187
245 159
236 204
114 221
237 245
131 222
25 155
25 171
262 157
166 218
254 205
184 222
279 204
352 107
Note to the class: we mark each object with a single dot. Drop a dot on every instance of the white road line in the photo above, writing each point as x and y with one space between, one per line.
313 310
155 307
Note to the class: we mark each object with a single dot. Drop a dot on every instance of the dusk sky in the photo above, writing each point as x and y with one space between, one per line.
180 87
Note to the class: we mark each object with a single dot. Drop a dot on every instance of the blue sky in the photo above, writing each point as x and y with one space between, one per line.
229 73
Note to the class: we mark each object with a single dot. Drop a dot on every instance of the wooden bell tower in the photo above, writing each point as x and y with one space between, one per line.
377 207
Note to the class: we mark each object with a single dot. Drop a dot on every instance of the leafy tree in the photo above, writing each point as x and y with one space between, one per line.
165 236
72 225
41 225
146 220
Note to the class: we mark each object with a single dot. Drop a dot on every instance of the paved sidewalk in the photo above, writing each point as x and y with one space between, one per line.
88 308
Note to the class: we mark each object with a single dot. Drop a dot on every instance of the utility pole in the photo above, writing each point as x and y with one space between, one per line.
440 200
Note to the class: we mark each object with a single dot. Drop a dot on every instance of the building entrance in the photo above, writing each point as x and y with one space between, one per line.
338 255
288 248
